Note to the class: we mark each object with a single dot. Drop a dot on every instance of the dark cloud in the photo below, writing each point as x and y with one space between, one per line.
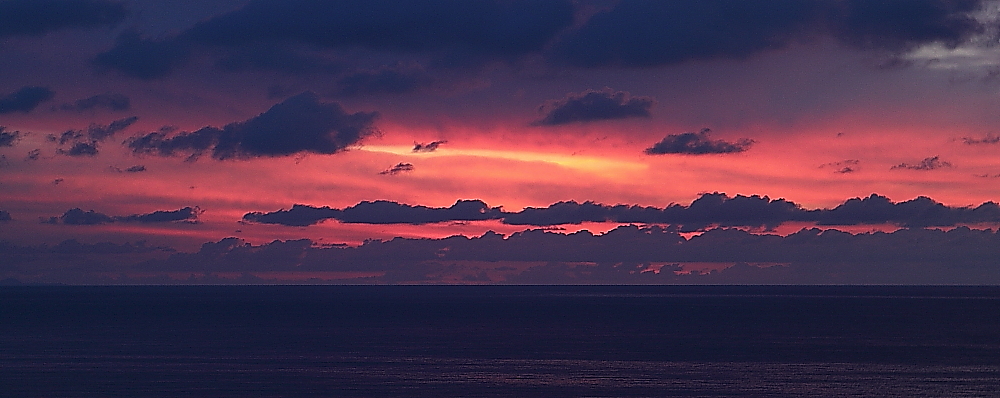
86 142
931 163
109 101
709 209
919 212
136 169
697 144
453 29
38 17
634 34
398 168
5 216
386 212
300 124
77 216
8 138
990 138
25 99
379 212
428 147
843 166
592 105
184 214
33 154
298 215
397 79
79 149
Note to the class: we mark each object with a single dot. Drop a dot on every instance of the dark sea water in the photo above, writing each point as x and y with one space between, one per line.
499 341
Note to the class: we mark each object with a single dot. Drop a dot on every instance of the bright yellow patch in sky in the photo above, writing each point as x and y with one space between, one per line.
605 167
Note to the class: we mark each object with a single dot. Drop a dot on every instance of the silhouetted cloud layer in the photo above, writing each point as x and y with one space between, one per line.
300 124
77 216
379 212
711 209
697 144
625 255
25 99
37 17
592 105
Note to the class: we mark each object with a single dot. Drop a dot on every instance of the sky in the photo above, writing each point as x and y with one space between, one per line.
459 141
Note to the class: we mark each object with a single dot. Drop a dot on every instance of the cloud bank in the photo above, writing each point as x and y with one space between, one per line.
711 209
629 255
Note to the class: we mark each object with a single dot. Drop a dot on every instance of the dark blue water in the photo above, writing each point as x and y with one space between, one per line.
499 341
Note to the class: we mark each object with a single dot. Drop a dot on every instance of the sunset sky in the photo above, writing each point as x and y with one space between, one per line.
180 124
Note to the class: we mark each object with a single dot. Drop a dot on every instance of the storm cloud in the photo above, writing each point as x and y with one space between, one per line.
300 124
38 17
697 144
483 29
25 99
592 105
634 34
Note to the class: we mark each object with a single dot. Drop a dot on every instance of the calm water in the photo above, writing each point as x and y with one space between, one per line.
499 341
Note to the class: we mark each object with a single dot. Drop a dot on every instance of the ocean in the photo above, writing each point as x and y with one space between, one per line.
499 341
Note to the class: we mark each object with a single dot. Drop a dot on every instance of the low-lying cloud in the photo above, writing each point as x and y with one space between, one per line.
77 216
697 144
